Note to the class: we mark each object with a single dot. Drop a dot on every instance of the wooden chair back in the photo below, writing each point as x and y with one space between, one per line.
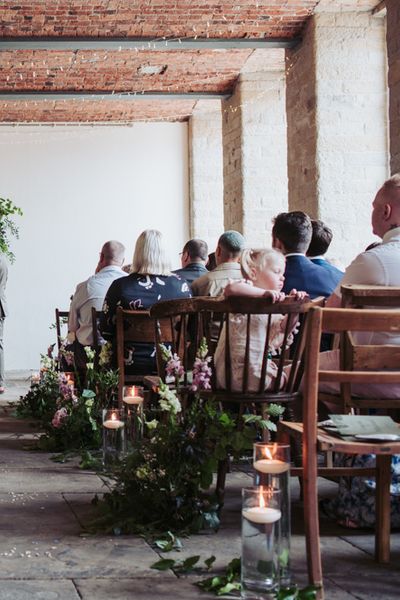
186 326
61 318
96 335
366 357
137 326
294 310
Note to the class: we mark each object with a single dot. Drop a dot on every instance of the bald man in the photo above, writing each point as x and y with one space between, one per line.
379 265
91 293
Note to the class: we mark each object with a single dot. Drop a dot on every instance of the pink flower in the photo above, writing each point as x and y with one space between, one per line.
201 374
174 367
59 417
66 389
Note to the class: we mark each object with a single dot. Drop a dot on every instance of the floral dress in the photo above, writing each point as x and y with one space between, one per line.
137 292
354 504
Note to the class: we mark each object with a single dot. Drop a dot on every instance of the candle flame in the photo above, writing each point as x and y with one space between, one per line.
268 454
261 498
113 417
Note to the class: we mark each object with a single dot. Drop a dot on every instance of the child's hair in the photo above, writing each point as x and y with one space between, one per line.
259 258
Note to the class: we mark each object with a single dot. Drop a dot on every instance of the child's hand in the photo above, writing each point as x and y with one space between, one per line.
274 295
298 295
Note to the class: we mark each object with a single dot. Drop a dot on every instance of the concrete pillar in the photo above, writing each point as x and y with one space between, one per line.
205 172
255 156
393 51
337 124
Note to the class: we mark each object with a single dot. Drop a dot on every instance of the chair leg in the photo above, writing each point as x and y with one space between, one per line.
311 522
223 466
382 508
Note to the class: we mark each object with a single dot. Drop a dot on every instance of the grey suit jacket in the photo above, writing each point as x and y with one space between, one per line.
3 283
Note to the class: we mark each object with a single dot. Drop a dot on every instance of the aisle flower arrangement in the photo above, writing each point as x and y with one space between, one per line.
69 413
164 483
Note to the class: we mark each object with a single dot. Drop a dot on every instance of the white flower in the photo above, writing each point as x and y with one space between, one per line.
168 400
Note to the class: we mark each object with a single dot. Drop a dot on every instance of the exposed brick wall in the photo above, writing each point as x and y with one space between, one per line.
205 172
347 138
155 18
232 157
78 111
182 70
393 48
255 159
302 129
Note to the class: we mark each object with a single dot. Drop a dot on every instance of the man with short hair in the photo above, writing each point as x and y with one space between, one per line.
193 258
227 255
291 234
379 265
320 241
91 293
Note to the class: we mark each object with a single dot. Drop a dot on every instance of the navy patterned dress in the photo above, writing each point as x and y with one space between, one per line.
137 292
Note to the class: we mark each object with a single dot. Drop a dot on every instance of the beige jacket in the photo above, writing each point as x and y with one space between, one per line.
214 282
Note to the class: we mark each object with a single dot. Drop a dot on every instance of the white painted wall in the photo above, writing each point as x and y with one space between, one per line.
78 187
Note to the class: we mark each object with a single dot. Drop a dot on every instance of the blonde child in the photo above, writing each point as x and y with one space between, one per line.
263 270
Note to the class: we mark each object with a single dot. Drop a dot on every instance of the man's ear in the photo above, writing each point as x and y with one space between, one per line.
218 251
387 211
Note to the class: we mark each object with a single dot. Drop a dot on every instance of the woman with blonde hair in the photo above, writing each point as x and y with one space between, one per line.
150 280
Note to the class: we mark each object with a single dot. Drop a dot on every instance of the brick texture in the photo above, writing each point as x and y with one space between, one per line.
205 164
255 159
393 47
337 132
180 71
155 18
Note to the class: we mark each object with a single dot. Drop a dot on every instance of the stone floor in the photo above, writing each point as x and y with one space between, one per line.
45 553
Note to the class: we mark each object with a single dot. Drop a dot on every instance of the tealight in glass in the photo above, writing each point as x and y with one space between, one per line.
261 541
113 436
271 463
133 398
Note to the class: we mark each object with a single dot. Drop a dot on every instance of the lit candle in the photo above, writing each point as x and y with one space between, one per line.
262 514
270 465
70 377
113 423
133 396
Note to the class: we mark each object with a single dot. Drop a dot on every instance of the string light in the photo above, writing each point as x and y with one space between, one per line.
95 58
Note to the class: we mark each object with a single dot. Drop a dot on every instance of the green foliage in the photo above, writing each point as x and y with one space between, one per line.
7 226
168 473
229 583
79 429
188 565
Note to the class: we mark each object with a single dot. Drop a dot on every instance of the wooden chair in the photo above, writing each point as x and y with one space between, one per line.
61 319
137 326
247 399
186 326
361 297
96 336
382 366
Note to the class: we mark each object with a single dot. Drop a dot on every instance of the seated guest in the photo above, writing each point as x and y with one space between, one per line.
227 254
291 234
320 242
211 263
90 294
354 505
150 281
263 272
193 259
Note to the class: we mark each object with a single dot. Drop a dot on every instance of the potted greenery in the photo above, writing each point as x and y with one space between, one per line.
8 228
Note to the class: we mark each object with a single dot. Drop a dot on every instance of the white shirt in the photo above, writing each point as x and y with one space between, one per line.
88 294
378 266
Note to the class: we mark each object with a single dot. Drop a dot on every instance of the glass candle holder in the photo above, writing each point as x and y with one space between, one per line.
133 401
271 464
113 436
261 543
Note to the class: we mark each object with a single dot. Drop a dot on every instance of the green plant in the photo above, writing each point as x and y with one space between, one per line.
7 226
168 474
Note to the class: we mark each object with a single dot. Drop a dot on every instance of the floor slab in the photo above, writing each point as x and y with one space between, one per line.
38 590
